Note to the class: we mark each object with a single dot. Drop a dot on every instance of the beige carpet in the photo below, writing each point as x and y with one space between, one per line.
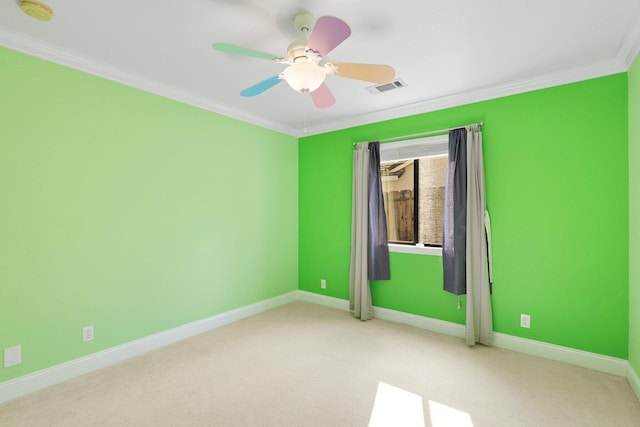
308 365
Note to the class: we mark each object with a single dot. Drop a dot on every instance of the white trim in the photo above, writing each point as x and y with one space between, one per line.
634 380
585 359
598 362
630 46
24 44
415 148
434 325
47 377
324 300
419 250
566 76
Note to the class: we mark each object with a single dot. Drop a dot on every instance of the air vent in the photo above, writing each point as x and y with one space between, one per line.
386 87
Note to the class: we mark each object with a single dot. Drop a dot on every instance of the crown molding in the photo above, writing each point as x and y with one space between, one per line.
565 76
29 46
630 47
626 55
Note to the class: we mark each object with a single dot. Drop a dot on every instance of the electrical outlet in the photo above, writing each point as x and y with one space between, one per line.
525 321
12 356
323 284
87 333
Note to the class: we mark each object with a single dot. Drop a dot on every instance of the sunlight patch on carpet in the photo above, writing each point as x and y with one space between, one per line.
446 416
396 407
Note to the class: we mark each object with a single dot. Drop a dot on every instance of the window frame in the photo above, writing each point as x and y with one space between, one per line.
408 150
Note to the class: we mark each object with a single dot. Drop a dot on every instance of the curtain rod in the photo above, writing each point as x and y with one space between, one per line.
420 135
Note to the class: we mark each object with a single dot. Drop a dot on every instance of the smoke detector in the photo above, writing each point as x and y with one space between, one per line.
36 9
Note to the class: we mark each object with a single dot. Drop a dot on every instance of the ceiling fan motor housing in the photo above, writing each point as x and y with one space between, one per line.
304 22
296 50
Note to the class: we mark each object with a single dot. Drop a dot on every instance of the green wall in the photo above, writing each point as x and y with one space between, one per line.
557 190
130 212
137 214
634 215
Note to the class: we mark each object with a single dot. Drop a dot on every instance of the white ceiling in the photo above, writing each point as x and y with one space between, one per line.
448 52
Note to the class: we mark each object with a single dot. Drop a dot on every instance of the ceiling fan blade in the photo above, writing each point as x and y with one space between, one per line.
328 33
239 50
374 73
257 89
322 97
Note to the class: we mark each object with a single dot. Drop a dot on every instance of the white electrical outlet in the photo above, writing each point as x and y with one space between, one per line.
525 321
12 356
323 284
87 333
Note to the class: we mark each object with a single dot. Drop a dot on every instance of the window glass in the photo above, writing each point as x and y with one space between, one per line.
432 180
413 190
398 179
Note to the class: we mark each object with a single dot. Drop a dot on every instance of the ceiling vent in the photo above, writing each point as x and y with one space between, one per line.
386 87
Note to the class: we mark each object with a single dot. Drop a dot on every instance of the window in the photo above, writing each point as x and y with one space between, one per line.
413 182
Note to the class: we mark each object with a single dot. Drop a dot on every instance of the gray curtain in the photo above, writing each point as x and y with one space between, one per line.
465 251
369 244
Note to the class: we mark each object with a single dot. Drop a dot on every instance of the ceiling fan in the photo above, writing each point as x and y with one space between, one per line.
305 73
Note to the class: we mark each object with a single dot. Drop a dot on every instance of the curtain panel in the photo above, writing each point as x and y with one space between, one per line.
369 242
454 239
465 251
378 246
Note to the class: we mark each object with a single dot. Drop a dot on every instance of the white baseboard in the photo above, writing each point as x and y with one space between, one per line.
434 325
38 380
598 362
74 368
323 300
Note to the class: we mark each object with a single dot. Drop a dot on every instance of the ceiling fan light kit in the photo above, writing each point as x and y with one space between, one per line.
304 76
304 73
36 9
